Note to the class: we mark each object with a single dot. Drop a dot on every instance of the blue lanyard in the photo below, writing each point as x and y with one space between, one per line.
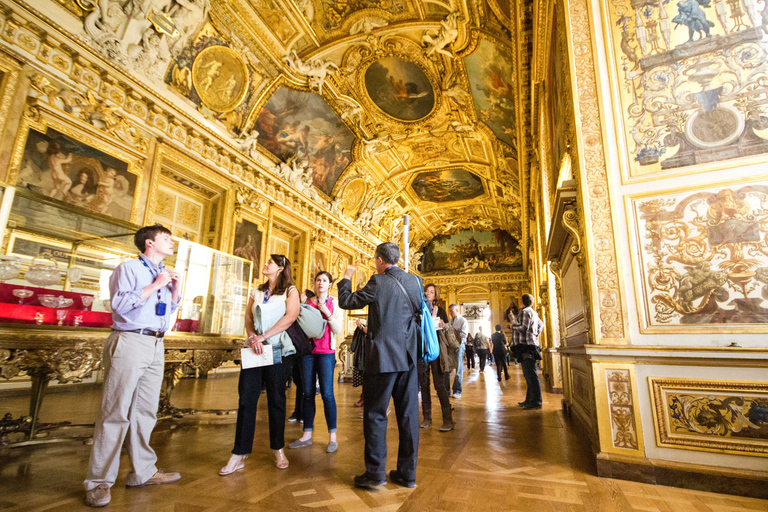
154 276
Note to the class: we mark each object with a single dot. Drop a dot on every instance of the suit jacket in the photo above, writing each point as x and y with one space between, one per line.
393 330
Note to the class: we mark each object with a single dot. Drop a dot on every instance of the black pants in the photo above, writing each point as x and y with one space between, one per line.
483 354
403 388
249 387
442 391
470 352
501 362
294 363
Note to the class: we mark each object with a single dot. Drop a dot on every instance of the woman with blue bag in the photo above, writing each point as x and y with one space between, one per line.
272 307
439 320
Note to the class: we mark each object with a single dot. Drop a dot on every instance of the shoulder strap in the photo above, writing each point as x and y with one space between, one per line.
402 288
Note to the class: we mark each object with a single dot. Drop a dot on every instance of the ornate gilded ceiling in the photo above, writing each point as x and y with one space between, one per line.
374 108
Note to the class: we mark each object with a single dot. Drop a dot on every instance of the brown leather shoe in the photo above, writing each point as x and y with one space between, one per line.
99 496
159 478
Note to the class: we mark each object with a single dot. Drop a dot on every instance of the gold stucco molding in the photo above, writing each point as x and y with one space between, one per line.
604 267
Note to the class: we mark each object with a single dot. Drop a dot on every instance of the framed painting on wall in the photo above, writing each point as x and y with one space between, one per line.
248 238
57 162
700 257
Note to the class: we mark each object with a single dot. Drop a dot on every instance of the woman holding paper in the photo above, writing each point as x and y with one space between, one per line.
274 306
319 365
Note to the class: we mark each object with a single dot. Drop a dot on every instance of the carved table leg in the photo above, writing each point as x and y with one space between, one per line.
40 378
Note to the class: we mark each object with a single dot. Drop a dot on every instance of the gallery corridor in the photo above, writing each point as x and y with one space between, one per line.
500 457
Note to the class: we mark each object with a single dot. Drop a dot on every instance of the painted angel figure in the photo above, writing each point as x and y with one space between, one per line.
436 41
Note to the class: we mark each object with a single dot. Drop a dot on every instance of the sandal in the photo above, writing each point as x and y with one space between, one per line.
235 463
281 461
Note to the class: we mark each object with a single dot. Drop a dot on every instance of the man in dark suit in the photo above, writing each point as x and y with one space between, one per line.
390 354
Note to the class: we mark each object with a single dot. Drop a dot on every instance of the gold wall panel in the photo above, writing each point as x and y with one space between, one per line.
721 416
690 84
702 258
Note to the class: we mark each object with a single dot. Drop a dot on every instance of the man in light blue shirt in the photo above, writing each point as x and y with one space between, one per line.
144 296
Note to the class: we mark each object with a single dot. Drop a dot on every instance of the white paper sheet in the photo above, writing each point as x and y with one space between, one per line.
250 359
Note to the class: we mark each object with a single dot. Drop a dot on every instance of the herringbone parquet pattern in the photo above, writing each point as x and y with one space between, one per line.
498 458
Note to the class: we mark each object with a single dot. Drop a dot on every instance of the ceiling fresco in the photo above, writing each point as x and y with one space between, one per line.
371 108
400 88
491 76
471 252
447 185
301 125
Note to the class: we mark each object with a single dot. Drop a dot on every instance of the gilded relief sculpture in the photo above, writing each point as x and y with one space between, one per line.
705 259
144 36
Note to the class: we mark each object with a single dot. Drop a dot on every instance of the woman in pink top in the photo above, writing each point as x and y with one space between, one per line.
320 365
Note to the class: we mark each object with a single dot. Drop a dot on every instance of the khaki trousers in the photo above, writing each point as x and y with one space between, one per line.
133 365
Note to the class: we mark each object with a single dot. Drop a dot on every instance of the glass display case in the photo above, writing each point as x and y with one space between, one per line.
57 262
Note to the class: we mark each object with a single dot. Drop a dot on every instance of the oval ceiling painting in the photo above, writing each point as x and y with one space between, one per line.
400 88
448 185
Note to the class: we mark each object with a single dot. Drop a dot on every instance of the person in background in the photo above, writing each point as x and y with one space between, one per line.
295 374
391 351
499 342
320 364
278 288
481 345
459 323
527 330
432 295
357 375
144 296
470 351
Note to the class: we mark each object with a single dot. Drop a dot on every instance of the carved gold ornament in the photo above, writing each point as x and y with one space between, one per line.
353 195
220 78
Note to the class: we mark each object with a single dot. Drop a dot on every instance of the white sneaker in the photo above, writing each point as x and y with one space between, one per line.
456 395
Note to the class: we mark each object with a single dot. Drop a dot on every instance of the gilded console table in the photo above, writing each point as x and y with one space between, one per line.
71 355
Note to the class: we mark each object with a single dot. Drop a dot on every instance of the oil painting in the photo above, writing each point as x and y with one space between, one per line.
318 264
490 72
468 252
704 257
714 415
60 167
217 78
301 125
400 88
248 244
692 77
447 185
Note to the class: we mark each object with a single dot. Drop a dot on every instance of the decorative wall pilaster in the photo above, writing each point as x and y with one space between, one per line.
608 313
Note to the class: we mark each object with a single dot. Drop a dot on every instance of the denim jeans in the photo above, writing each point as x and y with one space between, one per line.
533 393
459 378
319 366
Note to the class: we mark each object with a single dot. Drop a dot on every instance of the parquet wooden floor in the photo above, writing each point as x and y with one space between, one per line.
498 458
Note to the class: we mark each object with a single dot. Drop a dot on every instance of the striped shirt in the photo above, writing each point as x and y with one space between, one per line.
528 327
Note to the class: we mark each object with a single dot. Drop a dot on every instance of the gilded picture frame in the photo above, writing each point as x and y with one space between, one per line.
114 175
739 274
715 416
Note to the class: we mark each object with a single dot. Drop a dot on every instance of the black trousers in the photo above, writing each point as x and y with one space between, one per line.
470 352
403 388
249 387
484 355
501 362
442 390
293 368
